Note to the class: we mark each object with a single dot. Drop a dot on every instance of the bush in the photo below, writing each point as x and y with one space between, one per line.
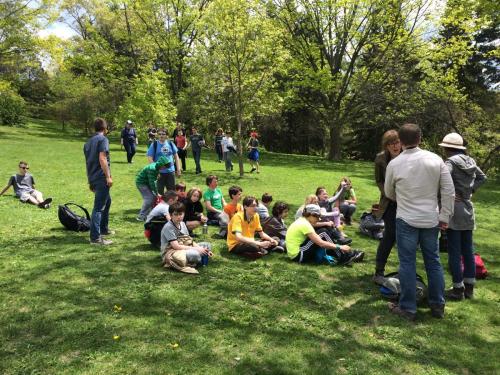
12 106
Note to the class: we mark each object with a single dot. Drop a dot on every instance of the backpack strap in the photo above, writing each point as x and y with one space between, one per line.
155 147
77 205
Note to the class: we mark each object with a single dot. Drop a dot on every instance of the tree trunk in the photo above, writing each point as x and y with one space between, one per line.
240 145
334 152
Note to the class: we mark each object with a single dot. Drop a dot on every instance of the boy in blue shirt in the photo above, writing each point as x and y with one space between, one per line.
164 147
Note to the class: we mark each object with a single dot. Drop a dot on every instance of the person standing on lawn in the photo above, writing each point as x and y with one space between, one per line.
181 144
414 180
197 142
467 178
218 144
129 140
227 148
97 160
166 148
24 187
253 154
391 148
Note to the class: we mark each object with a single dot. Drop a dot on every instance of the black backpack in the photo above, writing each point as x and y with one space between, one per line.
73 221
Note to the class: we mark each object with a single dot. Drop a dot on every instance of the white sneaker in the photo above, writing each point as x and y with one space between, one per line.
101 242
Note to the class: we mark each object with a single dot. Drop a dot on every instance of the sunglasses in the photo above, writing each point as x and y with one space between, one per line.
24 167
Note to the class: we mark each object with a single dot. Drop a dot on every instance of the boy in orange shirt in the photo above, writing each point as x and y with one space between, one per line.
233 206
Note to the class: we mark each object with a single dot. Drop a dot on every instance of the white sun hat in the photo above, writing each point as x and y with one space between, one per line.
453 140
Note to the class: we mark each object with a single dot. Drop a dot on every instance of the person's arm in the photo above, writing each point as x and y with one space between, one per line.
223 202
9 184
242 239
337 194
152 178
121 140
447 190
314 237
149 154
389 188
178 170
379 175
211 208
136 139
479 180
177 246
265 237
103 162
352 199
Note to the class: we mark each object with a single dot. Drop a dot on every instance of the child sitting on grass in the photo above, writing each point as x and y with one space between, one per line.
263 207
275 227
178 250
234 206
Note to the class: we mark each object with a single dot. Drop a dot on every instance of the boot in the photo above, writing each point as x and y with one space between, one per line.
469 291
455 294
437 311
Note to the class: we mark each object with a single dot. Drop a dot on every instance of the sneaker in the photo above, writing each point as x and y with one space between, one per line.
344 241
101 242
108 233
253 170
346 259
278 249
358 255
455 294
437 311
378 279
45 203
396 310
140 218
469 291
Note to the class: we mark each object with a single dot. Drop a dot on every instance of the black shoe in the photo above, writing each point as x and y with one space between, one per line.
45 203
454 294
437 311
343 241
358 256
253 170
469 291
346 259
278 249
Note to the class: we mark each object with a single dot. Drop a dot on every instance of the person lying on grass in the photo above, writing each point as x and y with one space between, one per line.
241 233
305 245
24 187
178 250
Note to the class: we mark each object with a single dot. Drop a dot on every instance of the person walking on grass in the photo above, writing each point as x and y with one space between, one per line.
166 148
181 144
97 160
197 142
414 180
129 140
146 184
227 150
218 144
253 154
24 187
467 178
391 148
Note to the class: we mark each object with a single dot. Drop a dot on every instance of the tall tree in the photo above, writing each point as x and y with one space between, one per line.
237 57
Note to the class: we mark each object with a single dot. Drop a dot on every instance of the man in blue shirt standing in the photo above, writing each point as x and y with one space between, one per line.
129 140
96 152
164 147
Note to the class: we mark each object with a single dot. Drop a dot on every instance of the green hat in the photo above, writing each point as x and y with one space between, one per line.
162 161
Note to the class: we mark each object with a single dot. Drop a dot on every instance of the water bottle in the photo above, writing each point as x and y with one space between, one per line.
204 229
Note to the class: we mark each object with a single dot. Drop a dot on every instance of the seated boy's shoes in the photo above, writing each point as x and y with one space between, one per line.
346 259
278 249
358 255
396 310
437 311
101 242
343 241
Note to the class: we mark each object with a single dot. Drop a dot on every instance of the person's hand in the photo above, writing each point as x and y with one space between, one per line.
178 172
202 250
109 181
263 244
345 248
443 225
203 219
274 242
210 254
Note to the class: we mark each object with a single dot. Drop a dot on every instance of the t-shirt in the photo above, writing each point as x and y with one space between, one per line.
296 234
160 209
254 143
218 139
215 198
239 224
262 211
180 141
128 135
95 145
349 194
171 233
197 142
166 149
22 184
193 211
230 209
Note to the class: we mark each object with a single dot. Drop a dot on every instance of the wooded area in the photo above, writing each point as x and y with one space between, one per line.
323 77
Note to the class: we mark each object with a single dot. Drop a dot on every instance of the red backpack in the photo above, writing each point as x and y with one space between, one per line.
481 271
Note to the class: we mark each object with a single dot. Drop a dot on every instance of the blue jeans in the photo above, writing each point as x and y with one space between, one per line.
130 148
196 157
100 212
408 238
148 199
460 244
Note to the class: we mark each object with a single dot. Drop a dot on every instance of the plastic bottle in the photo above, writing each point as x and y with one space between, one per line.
204 229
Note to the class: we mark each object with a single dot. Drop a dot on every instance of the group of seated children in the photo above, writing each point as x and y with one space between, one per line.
250 230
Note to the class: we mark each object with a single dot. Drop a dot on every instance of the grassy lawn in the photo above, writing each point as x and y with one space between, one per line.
67 307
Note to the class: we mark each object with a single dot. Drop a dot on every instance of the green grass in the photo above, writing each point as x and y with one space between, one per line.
271 316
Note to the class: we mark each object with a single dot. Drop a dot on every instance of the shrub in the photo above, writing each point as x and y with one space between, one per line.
12 106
